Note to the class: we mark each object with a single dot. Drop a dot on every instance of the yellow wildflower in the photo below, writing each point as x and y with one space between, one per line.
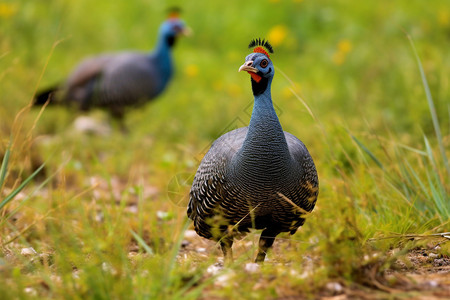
277 35
7 10
191 70
444 18
344 46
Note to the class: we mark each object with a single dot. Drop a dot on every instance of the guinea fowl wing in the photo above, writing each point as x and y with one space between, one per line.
309 183
89 69
207 189
129 79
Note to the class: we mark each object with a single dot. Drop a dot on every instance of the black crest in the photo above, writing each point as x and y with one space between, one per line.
174 9
173 12
262 43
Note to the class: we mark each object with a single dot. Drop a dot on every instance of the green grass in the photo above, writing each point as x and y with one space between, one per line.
371 107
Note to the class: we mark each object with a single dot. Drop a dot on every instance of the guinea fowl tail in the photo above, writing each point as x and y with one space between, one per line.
44 96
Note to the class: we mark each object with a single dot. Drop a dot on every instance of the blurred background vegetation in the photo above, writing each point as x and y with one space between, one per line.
367 125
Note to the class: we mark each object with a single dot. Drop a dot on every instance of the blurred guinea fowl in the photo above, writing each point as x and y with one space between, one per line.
254 177
119 80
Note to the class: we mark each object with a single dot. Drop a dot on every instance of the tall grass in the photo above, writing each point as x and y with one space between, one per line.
92 213
421 184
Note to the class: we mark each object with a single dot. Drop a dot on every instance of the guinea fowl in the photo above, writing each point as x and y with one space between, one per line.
119 80
258 176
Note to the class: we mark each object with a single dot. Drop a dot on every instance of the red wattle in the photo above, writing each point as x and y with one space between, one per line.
255 77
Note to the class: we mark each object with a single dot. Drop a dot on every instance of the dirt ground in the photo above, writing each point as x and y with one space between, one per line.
421 274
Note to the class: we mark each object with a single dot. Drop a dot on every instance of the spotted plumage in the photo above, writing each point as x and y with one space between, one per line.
254 177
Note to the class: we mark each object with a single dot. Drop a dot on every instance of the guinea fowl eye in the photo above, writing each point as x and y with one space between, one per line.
264 63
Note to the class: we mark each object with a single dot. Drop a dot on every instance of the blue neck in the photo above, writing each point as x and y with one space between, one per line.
265 142
163 58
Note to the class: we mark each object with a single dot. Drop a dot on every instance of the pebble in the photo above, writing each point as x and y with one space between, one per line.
223 280
189 234
90 125
109 268
251 267
334 286
223 275
132 209
433 283
28 251
30 291
162 215
214 269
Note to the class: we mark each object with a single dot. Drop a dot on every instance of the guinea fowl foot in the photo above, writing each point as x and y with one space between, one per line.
225 245
265 242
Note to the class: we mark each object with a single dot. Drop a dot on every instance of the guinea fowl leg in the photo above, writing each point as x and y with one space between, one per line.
118 115
225 244
265 242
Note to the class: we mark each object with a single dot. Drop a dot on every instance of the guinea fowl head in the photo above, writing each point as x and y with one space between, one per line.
259 66
173 27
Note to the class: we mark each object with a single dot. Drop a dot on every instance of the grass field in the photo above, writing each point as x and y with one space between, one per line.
365 85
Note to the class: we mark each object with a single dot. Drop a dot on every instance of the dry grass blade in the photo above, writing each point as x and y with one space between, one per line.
237 223
296 207
409 236
297 96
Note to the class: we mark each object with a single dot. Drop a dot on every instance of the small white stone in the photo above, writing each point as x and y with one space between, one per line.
132 209
76 274
108 268
189 234
223 279
99 217
163 215
30 291
201 250
251 267
90 125
334 286
214 269
294 273
433 283
28 251
433 255
56 278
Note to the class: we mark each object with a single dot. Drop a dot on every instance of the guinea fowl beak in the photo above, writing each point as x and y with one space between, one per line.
247 66
186 31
